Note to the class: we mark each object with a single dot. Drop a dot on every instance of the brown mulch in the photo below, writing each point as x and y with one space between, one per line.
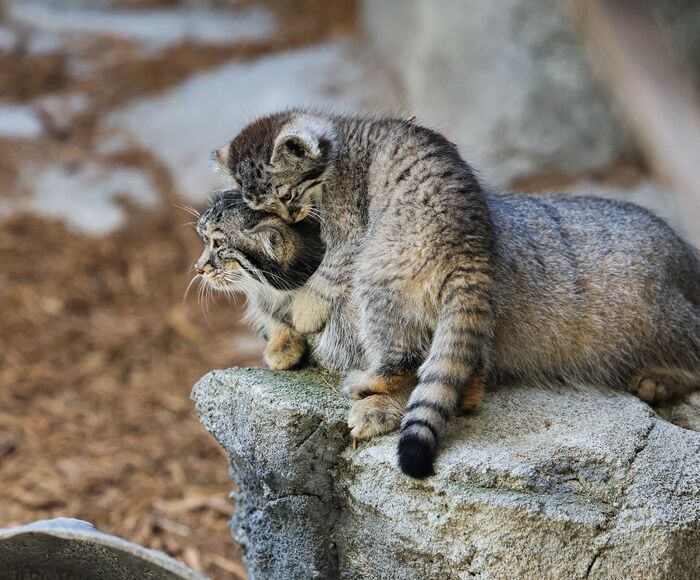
98 352
24 76
99 355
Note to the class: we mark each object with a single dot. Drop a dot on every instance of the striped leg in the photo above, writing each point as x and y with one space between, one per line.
393 352
313 304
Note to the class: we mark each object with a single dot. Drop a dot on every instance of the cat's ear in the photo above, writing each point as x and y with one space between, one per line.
294 146
220 157
307 139
270 240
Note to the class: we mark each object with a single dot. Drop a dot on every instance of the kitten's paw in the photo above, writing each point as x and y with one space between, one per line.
361 384
285 350
375 415
310 312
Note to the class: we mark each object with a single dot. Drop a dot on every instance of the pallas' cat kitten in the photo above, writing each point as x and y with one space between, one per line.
451 281
266 259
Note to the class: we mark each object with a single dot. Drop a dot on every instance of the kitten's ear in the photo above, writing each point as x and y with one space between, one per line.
220 157
294 146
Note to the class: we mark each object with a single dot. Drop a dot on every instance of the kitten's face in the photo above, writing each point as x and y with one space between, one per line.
280 164
244 249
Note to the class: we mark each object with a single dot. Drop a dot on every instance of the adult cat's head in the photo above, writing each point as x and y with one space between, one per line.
244 249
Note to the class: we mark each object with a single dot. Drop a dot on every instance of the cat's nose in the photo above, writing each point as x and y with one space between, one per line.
199 270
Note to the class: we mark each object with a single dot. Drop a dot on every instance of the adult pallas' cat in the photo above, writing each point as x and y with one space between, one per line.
451 281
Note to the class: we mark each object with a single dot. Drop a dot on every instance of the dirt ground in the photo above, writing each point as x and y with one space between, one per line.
99 356
98 351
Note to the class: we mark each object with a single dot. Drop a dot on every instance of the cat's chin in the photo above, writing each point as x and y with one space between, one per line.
217 283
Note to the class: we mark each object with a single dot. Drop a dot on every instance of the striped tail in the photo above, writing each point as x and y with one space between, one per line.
458 350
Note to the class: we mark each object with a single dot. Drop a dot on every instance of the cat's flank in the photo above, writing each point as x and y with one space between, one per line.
451 281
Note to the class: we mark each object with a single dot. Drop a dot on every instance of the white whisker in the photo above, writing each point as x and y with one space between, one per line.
195 278
189 209
282 282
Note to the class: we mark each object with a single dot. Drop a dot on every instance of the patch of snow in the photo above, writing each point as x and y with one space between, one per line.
186 124
60 110
152 29
40 42
19 122
85 197
112 142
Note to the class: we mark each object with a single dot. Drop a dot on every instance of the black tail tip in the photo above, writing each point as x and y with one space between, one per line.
416 456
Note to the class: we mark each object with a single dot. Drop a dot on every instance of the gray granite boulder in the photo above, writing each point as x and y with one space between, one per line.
508 81
537 484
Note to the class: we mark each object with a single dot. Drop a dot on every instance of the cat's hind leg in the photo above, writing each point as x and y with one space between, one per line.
679 350
361 384
474 393
394 350
382 411
658 384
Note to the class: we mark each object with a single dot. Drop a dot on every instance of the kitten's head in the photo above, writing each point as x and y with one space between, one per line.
244 248
280 163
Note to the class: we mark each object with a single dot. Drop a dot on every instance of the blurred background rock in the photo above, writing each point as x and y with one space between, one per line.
109 110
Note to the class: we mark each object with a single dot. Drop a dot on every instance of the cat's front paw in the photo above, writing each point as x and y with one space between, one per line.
285 350
309 312
375 415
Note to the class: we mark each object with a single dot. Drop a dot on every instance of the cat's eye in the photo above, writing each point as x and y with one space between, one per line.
284 198
218 242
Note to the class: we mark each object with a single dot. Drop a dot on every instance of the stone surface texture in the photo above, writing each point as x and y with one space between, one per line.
70 548
537 484
508 81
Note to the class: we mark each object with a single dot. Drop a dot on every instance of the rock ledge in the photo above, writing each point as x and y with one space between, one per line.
537 484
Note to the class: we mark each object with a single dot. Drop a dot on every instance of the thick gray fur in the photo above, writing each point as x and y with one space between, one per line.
449 281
